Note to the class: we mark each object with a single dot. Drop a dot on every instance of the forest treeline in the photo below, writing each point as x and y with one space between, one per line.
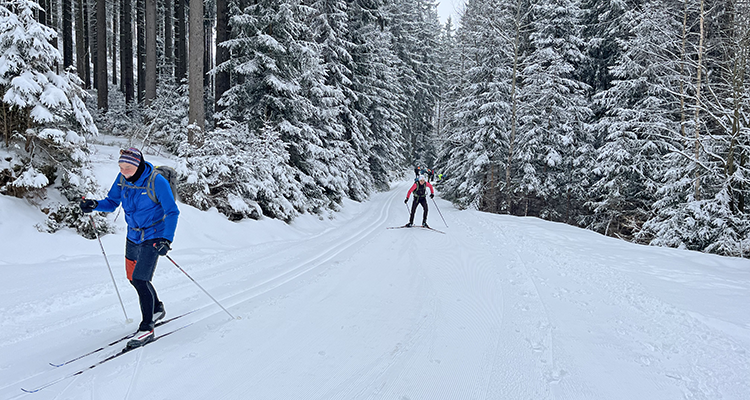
628 118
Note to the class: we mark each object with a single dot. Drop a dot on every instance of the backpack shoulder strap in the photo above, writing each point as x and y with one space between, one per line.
151 186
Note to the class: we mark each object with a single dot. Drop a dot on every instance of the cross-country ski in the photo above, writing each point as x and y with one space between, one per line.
98 363
415 226
116 341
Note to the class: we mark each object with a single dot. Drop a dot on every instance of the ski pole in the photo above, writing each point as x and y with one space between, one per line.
201 287
111 275
441 214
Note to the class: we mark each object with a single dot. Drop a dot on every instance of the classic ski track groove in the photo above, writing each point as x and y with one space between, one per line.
676 330
277 280
515 302
305 267
136 371
360 383
548 326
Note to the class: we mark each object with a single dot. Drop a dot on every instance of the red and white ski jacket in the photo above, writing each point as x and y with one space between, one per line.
420 191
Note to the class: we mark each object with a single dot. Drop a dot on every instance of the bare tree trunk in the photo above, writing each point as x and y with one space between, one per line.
221 79
115 17
80 43
698 104
180 42
196 115
90 21
126 48
101 55
208 53
141 49
168 49
150 81
67 32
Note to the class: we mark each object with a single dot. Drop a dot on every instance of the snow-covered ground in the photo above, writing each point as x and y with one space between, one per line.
500 307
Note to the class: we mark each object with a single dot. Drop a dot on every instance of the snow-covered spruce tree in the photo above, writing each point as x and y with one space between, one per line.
416 29
44 120
242 173
454 159
329 87
638 115
553 138
378 95
700 205
279 85
165 118
476 153
604 30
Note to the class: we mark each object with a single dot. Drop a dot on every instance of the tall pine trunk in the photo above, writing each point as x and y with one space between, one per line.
126 50
150 68
88 39
221 78
196 114
168 51
67 32
115 17
180 70
94 40
80 43
208 53
141 49
101 55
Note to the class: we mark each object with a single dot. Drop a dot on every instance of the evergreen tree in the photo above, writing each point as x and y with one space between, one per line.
638 116
280 87
698 202
44 118
379 102
415 27
331 93
480 127
241 174
553 137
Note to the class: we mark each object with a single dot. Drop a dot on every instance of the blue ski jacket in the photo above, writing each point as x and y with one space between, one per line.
146 219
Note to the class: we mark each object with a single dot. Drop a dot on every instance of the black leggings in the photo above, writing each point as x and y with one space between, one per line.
148 299
423 202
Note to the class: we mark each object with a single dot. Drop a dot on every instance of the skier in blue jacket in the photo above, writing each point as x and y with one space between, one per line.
151 228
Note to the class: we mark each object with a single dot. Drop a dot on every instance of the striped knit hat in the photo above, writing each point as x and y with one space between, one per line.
131 156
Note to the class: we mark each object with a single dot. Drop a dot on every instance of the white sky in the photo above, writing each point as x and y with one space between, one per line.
449 8
339 307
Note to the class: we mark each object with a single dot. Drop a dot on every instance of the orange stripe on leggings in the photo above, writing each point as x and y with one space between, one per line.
129 267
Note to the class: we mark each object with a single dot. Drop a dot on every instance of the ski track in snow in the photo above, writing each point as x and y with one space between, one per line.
499 308
673 343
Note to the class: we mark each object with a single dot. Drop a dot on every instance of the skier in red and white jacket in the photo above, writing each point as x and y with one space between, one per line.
419 189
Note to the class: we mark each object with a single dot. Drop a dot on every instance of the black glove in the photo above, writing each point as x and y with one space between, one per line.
162 246
88 206
406 200
432 195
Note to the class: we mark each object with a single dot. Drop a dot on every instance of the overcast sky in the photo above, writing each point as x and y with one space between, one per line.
448 8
